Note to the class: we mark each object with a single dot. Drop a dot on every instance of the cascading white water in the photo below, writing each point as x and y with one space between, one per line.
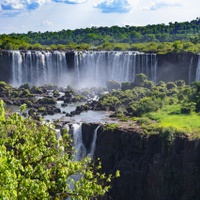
38 67
93 144
97 67
90 68
197 78
80 150
190 69
16 61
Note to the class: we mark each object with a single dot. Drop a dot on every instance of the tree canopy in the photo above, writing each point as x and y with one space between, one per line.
156 38
36 164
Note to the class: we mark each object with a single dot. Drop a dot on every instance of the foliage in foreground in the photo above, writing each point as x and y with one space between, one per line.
35 164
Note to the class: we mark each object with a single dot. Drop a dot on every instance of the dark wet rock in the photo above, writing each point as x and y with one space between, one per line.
25 86
56 93
67 100
51 110
64 104
58 125
8 101
150 167
36 90
69 93
75 112
25 114
32 112
47 100
68 115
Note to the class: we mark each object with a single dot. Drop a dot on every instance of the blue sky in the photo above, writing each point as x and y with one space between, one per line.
21 16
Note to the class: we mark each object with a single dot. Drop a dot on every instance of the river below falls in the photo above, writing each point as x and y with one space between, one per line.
87 116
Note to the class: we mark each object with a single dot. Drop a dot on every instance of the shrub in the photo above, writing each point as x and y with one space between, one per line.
125 86
139 80
168 134
111 127
161 83
188 108
180 83
148 84
171 85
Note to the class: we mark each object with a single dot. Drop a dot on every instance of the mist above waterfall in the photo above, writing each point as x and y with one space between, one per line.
90 68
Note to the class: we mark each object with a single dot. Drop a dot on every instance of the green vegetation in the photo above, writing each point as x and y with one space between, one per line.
35 164
111 127
157 108
161 38
171 116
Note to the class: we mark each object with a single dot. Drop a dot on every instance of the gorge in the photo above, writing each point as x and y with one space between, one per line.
150 167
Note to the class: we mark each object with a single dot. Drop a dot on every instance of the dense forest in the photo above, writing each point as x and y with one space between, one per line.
161 38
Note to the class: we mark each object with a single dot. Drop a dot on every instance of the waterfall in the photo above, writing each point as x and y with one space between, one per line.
38 67
80 150
93 145
16 73
90 68
154 64
97 67
198 70
190 70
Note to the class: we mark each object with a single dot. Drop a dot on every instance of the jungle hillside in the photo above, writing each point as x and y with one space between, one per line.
159 38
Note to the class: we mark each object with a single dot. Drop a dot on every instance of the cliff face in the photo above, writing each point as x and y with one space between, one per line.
150 167
181 66
5 67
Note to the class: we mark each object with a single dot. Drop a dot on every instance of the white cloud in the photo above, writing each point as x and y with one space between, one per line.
49 15
71 1
160 4
45 23
117 6
14 7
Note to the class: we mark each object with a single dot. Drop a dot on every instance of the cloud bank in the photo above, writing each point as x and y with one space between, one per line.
14 7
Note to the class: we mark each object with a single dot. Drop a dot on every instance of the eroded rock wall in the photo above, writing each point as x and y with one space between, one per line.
151 169
181 66
5 67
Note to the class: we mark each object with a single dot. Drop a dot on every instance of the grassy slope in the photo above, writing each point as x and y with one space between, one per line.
170 116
